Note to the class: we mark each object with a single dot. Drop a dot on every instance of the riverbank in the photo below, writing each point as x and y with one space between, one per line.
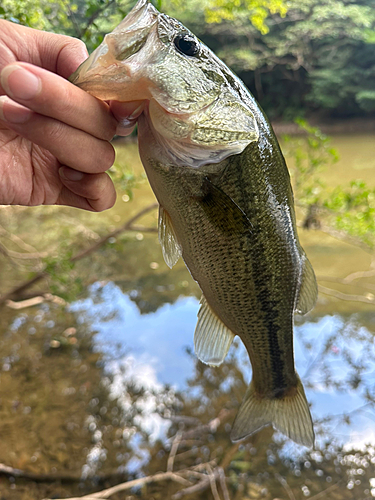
329 126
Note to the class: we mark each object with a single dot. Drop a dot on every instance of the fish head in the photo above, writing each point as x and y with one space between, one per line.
194 106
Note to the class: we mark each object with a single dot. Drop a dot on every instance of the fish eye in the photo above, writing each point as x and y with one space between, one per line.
186 44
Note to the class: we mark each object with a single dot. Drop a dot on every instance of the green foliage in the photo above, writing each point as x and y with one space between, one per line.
257 11
350 209
354 210
125 179
294 56
310 154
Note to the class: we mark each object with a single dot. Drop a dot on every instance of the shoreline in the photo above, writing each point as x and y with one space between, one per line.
328 126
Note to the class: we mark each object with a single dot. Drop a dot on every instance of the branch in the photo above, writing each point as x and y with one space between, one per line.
211 426
16 239
345 296
174 448
162 476
323 494
286 486
223 483
93 17
34 301
212 477
128 226
6 470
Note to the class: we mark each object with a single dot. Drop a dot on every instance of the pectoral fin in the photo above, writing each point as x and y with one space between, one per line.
222 211
289 415
170 247
308 291
212 339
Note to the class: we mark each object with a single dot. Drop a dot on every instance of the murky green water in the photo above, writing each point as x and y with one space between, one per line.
93 390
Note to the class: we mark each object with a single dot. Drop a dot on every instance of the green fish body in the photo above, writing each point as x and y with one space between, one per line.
226 205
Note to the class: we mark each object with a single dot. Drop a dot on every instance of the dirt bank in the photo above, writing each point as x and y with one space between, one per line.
329 127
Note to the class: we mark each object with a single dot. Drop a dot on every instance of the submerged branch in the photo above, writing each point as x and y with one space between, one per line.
346 296
6 470
128 226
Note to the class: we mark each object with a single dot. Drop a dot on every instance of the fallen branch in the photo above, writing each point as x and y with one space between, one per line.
162 476
34 301
128 226
174 448
6 470
345 296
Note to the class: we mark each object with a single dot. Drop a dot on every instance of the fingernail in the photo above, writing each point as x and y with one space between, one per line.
125 127
136 112
70 174
13 112
20 83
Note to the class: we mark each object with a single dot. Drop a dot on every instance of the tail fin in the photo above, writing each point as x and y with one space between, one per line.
289 415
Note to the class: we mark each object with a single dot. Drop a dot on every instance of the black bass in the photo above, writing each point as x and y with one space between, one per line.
226 204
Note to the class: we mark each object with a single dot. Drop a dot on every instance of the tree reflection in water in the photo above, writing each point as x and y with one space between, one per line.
84 418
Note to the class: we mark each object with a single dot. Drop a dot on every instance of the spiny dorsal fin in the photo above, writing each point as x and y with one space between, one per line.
289 415
212 339
170 247
308 292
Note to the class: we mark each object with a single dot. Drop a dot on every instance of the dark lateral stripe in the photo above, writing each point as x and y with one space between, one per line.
268 307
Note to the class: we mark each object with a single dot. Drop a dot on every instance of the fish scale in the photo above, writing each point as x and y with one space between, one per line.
226 204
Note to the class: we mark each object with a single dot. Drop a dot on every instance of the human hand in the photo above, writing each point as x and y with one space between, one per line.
54 137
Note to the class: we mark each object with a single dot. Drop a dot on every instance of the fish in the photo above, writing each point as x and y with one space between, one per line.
225 204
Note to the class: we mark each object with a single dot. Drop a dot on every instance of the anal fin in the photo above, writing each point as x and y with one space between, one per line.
170 247
212 339
289 415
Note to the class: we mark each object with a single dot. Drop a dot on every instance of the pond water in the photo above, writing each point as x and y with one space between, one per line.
93 390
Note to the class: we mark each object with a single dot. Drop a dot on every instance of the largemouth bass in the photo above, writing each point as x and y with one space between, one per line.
226 204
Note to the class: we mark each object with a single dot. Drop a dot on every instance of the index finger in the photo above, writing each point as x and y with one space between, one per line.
51 95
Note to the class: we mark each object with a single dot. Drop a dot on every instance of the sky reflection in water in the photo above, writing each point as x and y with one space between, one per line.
334 357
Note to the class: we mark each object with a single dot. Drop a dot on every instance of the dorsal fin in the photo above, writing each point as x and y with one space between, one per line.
308 292
170 247
212 339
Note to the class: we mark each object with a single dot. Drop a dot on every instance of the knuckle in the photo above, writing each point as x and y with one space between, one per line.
65 106
105 194
56 132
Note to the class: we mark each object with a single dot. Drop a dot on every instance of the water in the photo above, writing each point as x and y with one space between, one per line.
93 391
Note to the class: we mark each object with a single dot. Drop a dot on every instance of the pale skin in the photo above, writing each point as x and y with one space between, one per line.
54 137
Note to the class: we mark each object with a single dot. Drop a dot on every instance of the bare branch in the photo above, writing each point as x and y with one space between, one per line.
223 483
16 239
162 476
211 426
323 494
344 281
346 296
212 478
34 301
174 448
196 488
128 226
286 486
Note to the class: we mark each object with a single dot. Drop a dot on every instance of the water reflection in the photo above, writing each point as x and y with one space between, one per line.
335 356
100 387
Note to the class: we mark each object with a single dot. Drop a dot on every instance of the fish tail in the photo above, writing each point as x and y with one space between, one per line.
289 415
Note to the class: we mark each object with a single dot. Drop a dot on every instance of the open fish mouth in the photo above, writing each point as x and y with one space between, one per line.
107 70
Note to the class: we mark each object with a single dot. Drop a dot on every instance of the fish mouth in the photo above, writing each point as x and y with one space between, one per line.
109 68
